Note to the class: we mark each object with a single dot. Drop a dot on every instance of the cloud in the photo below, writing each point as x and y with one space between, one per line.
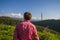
17 15
36 18
56 18
33 17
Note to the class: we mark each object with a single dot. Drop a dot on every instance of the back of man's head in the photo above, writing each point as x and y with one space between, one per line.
27 15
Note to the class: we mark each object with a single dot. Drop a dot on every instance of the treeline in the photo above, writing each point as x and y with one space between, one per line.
51 24
8 20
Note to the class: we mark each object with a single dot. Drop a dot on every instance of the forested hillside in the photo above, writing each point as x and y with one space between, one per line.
7 26
52 24
8 20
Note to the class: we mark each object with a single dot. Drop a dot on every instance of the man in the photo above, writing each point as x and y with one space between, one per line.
25 30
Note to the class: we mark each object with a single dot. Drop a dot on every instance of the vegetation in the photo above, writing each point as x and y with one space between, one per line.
7 26
53 24
8 20
6 33
47 34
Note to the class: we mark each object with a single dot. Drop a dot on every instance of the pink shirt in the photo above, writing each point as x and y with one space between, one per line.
25 31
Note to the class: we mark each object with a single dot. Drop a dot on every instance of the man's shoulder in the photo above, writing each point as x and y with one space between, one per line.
32 24
19 23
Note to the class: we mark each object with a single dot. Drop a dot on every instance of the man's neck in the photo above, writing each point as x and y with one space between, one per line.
27 20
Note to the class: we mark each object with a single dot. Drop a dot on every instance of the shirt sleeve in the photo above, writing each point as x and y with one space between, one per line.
35 35
15 36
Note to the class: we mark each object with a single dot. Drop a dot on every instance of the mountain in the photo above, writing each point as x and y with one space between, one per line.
51 24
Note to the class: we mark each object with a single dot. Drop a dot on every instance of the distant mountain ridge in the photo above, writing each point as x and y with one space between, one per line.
51 24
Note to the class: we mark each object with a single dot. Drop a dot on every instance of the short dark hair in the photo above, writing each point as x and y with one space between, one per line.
27 15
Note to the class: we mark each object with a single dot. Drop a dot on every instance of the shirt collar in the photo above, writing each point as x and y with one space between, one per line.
27 20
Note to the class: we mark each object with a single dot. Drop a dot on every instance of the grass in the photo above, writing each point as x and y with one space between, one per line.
6 33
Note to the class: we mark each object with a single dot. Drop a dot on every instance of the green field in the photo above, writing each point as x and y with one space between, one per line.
6 33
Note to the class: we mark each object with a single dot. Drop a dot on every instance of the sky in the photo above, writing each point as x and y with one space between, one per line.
16 8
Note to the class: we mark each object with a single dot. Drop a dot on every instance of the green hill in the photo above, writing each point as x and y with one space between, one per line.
8 20
7 26
6 33
52 24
